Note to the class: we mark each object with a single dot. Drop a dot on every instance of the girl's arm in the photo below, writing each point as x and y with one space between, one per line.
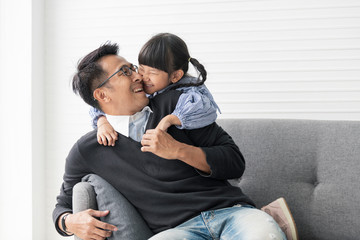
195 108
167 121
106 134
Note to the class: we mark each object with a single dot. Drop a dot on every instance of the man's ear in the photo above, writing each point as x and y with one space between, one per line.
100 95
176 76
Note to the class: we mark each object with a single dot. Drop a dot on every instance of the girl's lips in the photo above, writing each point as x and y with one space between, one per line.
147 86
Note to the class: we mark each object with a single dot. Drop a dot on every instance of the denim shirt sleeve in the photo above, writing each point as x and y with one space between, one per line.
95 114
196 108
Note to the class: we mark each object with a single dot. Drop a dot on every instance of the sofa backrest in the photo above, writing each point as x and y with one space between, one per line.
314 164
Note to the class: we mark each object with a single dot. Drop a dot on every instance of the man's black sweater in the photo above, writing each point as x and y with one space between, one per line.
165 192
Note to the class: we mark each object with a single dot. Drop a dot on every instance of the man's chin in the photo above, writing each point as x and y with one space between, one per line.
143 99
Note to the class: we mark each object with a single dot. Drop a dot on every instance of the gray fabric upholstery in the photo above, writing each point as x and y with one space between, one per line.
313 164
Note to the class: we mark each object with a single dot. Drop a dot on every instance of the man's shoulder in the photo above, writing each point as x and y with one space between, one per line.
85 146
88 140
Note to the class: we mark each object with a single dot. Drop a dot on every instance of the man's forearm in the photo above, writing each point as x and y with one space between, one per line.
60 225
194 156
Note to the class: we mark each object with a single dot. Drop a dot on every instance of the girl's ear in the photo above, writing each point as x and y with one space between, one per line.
176 76
100 95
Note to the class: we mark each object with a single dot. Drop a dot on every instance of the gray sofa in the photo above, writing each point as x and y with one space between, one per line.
313 164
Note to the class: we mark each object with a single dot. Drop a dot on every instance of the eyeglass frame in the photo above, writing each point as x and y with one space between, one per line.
123 73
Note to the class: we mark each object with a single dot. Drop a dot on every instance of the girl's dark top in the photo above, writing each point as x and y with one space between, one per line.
165 192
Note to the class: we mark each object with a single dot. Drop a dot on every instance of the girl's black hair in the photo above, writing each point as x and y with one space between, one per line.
168 52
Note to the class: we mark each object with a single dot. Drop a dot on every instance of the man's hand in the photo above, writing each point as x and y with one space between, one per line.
160 143
86 226
164 145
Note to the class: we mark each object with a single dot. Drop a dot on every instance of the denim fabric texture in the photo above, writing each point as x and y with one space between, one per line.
233 223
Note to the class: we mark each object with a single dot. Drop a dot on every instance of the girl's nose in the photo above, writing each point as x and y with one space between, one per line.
145 78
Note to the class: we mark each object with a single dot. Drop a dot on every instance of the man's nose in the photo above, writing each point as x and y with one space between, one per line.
136 77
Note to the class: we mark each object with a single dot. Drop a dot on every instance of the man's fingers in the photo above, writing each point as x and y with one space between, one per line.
105 227
145 149
100 224
149 134
96 213
151 131
102 233
146 136
96 237
145 142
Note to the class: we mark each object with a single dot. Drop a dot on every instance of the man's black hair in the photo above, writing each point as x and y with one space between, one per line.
90 74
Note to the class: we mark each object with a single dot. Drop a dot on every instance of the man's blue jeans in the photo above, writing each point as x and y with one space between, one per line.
235 223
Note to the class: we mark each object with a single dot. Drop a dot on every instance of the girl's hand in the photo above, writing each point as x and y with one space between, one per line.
167 121
106 134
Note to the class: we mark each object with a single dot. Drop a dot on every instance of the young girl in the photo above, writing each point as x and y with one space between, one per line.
164 63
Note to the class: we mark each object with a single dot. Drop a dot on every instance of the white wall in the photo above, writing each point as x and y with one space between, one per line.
40 213
15 120
265 59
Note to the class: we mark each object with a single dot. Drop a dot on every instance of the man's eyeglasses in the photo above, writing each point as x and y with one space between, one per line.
126 70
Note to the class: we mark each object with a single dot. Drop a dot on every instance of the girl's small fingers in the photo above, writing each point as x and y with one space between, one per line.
103 138
110 139
114 137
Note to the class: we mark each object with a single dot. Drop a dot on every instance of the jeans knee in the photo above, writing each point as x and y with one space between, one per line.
258 225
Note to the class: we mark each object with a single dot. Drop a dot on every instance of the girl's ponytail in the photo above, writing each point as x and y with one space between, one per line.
201 78
201 69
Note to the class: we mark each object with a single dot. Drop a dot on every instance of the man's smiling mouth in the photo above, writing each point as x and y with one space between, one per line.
137 90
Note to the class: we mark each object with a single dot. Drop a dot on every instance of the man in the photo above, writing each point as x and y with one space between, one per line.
177 180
